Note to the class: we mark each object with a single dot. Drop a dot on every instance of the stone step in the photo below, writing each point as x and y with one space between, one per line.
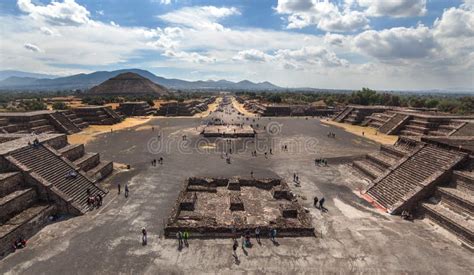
10 182
87 161
15 202
39 122
367 168
41 160
42 129
457 199
72 151
460 225
464 180
382 159
409 133
25 224
392 150
101 171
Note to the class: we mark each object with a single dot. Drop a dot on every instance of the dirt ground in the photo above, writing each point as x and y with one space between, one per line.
367 132
91 132
240 107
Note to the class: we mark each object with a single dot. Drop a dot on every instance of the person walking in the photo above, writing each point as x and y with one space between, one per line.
273 234
118 188
315 202
185 238
179 236
257 234
126 191
251 173
144 236
234 249
321 204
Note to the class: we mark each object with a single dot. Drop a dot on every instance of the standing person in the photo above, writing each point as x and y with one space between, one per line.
273 234
294 176
257 234
144 236
234 249
185 238
179 236
126 190
315 201
251 173
321 204
118 188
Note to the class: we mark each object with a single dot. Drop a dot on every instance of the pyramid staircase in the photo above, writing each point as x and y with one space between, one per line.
22 211
392 125
413 177
452 206
48 168
61 121
342 115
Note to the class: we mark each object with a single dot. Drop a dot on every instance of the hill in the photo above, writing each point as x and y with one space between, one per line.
127 84
87 81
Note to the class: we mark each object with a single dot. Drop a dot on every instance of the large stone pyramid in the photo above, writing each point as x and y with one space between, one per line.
128 84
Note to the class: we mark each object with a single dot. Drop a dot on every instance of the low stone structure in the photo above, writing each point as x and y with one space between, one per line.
228 131
287 110
41 122
431 174
98 115
40 176
187 108
140 108
224 207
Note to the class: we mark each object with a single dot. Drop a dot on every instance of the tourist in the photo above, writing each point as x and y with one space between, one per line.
99 200
118 188
234 249
88 192
257 234
273 234
251 174
144 236
161 160
179 236
294 176
315 202
126 191
321 204
271 153
185 238
297 179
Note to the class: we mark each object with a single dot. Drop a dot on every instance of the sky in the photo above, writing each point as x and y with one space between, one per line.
335 44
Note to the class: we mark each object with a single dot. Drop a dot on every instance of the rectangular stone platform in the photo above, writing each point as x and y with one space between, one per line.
218 211
228 131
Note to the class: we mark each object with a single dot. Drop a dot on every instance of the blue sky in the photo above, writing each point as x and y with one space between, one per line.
392 44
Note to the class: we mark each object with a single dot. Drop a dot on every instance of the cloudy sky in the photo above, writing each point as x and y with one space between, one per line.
382 44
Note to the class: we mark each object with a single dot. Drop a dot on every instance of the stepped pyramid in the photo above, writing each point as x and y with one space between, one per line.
128 84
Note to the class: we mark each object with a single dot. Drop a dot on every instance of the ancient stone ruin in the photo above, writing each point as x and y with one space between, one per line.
41 176
223 207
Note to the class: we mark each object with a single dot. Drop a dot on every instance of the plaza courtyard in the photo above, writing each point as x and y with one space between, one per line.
352 236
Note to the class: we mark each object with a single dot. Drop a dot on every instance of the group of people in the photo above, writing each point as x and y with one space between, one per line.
284 147
321 162
155 161
246 239
331 135
321 203
182 239
93 201
19 243
296 178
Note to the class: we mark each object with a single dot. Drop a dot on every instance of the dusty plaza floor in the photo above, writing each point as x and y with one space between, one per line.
351 237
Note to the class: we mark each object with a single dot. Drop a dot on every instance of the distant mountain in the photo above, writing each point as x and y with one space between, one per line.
10 73
87 81
128 84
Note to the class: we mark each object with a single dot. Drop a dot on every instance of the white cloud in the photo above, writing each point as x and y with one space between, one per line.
394 8
403 43
193 57
324 15
252 55
199 17
455 23
57 13
334 39
47 31
311 55
32 47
